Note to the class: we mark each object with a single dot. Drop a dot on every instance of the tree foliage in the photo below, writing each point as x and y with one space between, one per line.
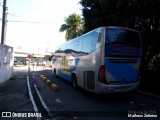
73 26
143 15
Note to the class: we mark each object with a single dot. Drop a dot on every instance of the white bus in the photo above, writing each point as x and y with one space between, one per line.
104 60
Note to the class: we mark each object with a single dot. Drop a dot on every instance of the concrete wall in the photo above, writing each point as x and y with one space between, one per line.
6 62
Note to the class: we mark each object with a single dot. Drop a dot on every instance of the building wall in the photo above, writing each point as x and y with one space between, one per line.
6 63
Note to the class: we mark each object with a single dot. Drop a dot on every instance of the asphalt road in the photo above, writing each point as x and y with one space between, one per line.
14 97
83 104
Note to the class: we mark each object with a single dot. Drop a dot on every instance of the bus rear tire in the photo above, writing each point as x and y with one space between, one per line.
74 81
54 71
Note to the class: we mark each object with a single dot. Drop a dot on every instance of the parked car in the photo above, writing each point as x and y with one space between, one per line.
18 63
39 63
34 63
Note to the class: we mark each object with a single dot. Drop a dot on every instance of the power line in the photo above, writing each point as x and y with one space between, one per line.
16 15
29 21
25 16
11 14
26 21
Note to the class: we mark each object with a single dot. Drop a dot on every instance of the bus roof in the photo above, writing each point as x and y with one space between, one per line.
121 27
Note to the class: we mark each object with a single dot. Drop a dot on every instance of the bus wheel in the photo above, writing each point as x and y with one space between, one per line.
54 71
74 81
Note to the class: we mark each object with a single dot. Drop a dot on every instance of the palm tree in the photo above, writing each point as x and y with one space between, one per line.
73 26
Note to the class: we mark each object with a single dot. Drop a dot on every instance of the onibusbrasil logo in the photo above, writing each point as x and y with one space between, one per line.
19 114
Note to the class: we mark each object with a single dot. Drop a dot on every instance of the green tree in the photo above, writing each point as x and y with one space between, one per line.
143 15
73 26
98 13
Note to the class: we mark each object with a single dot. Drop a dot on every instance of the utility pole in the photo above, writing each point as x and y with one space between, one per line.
4 22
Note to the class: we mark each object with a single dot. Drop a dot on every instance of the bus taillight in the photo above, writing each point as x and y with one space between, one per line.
102 75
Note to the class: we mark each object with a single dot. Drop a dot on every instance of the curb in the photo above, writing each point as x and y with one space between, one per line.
41 76
44 79
149 94
48 82
53 86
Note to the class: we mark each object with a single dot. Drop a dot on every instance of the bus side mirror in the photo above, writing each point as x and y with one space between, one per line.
50 58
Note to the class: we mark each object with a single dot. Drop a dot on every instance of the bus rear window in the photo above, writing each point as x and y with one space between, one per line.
122 36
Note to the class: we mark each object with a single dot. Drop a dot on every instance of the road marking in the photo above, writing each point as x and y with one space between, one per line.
31 97
131 102
41 99
58 100
149 94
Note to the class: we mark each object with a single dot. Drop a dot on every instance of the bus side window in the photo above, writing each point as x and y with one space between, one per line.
78 46
95 41
87 45
69 48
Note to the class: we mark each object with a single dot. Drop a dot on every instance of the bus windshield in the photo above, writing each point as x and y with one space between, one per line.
122 36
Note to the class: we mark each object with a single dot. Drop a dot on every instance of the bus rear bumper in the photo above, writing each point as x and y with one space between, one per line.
103 88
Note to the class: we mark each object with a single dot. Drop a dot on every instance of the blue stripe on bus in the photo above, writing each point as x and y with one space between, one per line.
67 73
122 71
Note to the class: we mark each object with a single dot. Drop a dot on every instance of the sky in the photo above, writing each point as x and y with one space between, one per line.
33 25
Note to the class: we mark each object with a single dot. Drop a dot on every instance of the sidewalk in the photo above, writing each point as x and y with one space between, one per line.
14 95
